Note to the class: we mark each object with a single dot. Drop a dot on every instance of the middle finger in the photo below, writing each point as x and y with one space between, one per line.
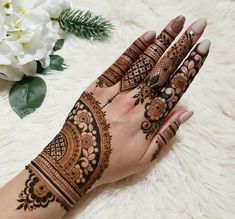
167 65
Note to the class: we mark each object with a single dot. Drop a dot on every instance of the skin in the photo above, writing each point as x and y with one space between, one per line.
121 111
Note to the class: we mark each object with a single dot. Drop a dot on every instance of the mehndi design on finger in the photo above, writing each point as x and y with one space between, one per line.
140 68
116 71
170 62
164 137
69 165
158 108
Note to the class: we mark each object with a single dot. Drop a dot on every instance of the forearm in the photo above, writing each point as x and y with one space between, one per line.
13 195
65 170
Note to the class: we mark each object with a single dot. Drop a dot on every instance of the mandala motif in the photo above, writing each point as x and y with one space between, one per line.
157 108
179 82
74 160
36 194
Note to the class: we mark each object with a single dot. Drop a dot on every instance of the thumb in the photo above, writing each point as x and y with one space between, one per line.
165 134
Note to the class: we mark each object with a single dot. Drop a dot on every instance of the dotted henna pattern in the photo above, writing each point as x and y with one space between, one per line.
69 165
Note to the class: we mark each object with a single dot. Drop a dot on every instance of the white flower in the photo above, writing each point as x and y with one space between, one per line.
5 54
2 27
54 7
36 38
9 67
30 37
8 64
22 6
11 73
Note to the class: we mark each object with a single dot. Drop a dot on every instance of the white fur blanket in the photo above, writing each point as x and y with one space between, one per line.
194 176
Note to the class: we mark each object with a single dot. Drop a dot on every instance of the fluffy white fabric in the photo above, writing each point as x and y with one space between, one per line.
194 176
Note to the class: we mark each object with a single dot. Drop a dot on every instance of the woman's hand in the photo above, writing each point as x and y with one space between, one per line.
121 121
138 92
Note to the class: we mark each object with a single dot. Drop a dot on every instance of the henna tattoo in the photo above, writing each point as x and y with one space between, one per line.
158 108
165 67
136 73
140 68
110 100
115 72
36 194
70 164
164 137
131 74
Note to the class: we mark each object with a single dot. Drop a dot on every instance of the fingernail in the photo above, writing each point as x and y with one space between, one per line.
204 46
178 23
199 25
180 18
148 36
185 116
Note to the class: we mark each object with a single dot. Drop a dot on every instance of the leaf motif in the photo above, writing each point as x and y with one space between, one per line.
20 200
20 206
90 150
90 169
86 172
25 206
91 157
85 153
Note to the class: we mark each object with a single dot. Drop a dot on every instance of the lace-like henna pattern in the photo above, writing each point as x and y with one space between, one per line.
140 68
136 73
68 166
166 66
115 72
158 108
164 137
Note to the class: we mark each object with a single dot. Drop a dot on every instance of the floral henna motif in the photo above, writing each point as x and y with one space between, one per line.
35 194
158 108
165 67
73 161
139 69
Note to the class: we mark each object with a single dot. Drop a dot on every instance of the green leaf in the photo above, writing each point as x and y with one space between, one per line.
84 24
27 95
59 44
56 63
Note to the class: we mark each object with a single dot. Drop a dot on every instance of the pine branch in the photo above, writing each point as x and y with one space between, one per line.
84 24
